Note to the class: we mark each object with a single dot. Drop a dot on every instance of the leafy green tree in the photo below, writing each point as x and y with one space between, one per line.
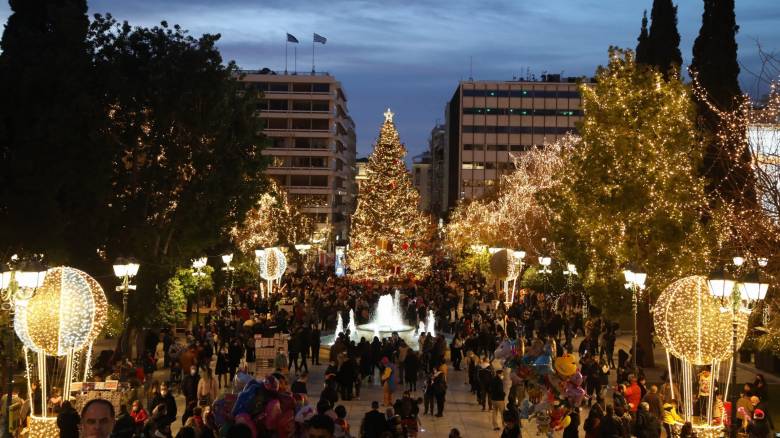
726 162
631 193
188 165
56 166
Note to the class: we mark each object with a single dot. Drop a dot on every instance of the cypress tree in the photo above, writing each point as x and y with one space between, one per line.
726 163
663 39
715 53
643 47
56 170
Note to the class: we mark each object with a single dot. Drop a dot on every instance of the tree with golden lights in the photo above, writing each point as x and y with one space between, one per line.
512 217
631 192
274 221
389 237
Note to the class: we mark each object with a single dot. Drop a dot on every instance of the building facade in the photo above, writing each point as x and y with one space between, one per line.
312 145
421 179
437 145
489 121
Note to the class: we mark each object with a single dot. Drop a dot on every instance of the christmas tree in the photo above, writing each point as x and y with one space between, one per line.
389 235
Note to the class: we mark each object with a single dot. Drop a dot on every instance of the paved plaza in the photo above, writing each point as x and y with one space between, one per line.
461 410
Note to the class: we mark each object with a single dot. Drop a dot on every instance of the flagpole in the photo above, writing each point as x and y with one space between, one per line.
295 62
286 43
312 55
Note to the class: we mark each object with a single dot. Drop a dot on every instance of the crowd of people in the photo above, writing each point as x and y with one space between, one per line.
472 323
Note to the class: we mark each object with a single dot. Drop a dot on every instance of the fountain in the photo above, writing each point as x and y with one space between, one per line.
386 320
431 323
420 329
339 329
351 325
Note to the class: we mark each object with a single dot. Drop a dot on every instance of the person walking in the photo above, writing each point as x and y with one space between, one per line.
439 391
189 386
497 399
207 388
314 344
484 376
388 381
412 369
221 369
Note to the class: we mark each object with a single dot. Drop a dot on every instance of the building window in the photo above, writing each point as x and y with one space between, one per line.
309 200
272 87
320 88
319 181
276 123
552 130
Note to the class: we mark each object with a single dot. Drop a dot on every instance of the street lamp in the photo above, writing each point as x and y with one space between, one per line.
545 271
125 270
571 273
635 282
227 259
737 297
197 265
17 286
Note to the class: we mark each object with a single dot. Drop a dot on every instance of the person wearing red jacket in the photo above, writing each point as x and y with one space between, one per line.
139 415
633 394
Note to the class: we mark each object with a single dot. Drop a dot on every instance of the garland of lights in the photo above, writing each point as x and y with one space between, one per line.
690 325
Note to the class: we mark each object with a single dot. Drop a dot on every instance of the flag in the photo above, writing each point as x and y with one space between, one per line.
292 39
319 39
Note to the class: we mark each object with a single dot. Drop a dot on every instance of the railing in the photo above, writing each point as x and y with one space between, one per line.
266 71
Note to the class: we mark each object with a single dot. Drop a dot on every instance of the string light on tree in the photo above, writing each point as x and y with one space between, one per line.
389 235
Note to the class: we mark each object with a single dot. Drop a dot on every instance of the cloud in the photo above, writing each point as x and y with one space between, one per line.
410 54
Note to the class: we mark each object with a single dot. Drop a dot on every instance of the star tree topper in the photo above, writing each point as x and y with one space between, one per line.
389 115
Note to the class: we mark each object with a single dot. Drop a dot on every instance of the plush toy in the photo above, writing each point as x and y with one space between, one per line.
565 366
574 391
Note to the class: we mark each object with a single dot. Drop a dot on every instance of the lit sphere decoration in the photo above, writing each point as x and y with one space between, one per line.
65 314
272 263
690 324
504 265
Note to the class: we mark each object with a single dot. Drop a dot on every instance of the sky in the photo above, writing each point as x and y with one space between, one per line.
409 55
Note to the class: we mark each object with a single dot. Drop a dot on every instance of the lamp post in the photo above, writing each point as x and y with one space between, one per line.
545 262
125 270
519 256
571 273
635 282
16 286
227 259
197 265
736 297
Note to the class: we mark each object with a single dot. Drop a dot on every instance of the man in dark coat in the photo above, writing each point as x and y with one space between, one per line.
189 386
374 422
165 398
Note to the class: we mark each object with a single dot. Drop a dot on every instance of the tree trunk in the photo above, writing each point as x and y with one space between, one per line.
644 326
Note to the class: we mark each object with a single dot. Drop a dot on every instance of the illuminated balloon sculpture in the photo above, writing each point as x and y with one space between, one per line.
272 264
692 327
63 318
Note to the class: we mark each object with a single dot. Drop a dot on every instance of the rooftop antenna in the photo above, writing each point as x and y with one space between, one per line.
471 68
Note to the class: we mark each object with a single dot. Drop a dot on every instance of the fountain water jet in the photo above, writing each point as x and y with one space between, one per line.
431 323
351 325
387 319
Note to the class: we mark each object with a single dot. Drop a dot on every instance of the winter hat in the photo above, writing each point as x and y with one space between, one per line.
385 360
758 414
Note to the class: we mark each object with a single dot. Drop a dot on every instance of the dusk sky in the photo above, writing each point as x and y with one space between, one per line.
409 55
